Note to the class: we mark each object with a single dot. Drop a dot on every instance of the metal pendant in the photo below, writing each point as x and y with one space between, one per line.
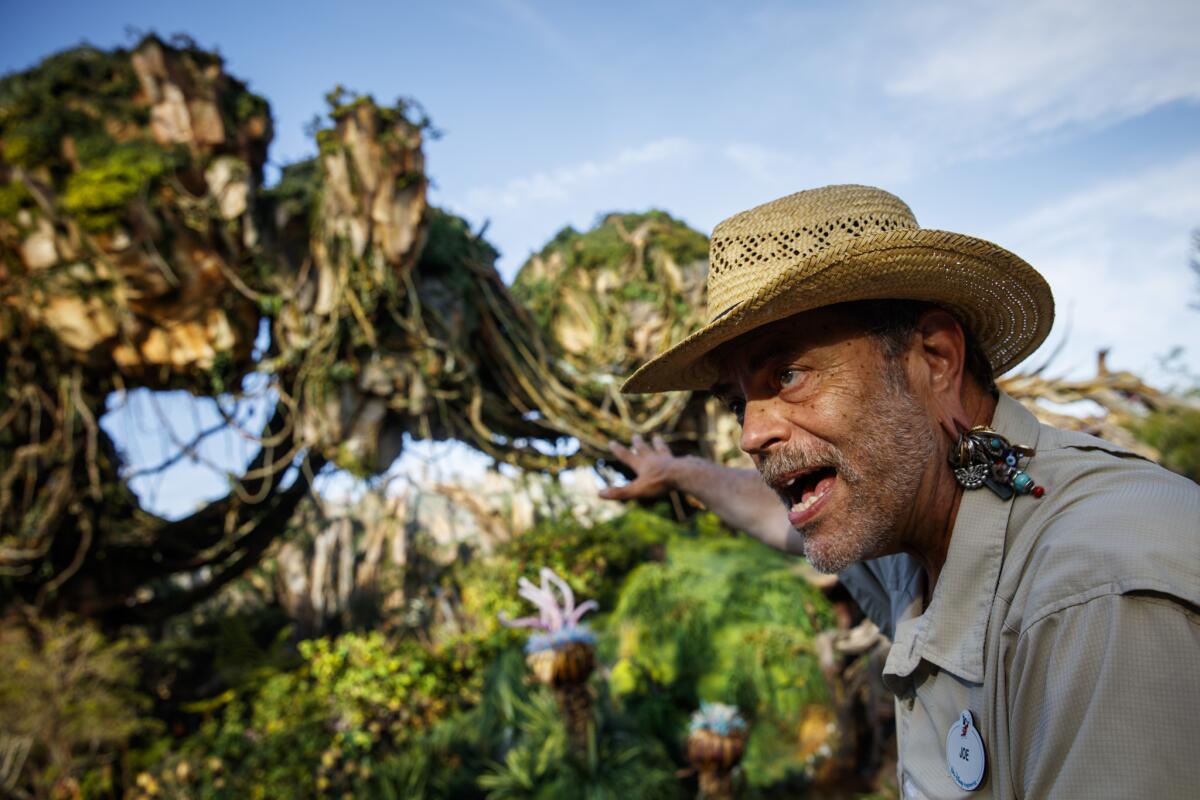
982 457
971 477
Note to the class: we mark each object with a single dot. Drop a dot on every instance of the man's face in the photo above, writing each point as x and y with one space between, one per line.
833 428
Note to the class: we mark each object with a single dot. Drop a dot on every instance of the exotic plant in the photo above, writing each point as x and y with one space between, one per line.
561 653
716 742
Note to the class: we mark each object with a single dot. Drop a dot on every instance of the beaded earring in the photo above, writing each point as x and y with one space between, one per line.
982 457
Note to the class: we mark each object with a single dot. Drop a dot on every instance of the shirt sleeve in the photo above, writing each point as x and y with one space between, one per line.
1105 701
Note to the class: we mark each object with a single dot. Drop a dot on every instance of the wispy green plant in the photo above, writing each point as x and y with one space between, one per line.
723 620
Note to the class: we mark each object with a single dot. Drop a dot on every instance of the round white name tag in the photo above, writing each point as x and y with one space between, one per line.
964 753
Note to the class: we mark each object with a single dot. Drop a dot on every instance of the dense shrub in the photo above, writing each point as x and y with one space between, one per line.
1175 433
689 612
728 620
323 729
68 703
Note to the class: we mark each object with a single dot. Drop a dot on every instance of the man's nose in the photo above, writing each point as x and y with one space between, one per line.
762 427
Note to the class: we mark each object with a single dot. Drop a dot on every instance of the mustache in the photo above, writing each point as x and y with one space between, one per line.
774 467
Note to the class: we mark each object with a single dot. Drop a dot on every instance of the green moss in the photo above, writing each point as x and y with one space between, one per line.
68 94
13 197
247 106
640 290
99 193
566 277
604 246
451 245
81 116
223 376
327 142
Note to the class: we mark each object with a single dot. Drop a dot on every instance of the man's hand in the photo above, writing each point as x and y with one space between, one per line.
653 467
738 496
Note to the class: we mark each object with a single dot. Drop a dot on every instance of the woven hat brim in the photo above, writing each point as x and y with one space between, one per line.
1004 301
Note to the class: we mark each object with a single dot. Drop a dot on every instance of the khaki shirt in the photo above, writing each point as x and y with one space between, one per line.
1068 626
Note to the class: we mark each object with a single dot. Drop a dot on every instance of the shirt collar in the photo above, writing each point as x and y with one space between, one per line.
951 633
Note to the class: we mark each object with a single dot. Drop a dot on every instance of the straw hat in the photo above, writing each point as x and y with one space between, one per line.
842 243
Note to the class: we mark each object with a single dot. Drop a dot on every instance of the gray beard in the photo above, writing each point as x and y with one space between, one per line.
881 474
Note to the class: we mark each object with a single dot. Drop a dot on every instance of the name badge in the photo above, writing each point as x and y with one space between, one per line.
964 753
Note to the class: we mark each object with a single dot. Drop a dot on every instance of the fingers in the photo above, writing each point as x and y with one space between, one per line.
611 493
638 446
626 492
620 451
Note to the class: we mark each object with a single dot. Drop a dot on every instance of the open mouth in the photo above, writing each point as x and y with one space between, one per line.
803 491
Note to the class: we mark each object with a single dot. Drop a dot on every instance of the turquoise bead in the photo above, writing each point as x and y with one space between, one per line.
1022 483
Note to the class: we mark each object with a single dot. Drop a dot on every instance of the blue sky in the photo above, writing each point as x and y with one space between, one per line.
1068 132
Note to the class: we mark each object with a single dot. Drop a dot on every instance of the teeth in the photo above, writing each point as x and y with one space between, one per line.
793 480
808 501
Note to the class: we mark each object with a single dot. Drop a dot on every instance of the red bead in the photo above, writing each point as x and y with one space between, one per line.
1038 491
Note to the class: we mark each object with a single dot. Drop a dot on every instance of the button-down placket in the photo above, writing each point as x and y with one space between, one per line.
950 634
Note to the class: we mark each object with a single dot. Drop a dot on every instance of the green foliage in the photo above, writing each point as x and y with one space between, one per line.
603 246
696 613
723 620
620 763
325 727
70 692
99 192
593 559
297 192
613 295
65 95
13 197
451 244
1175 433
80 118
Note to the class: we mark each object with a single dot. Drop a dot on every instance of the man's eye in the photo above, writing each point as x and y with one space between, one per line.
789 377
737 408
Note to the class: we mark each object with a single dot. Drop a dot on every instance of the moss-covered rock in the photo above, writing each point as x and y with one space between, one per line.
617 294
135 172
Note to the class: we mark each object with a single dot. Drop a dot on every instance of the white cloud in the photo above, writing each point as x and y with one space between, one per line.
1116 256
558 185
1050 63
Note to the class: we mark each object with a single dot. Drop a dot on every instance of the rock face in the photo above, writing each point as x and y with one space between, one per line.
620 293
617 295
132 225
139 248
367 234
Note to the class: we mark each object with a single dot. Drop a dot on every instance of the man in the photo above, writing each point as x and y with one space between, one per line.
1041 587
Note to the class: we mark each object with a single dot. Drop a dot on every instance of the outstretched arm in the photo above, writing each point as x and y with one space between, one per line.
738 496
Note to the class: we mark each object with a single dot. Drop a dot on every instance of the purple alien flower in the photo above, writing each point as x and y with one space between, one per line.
558 623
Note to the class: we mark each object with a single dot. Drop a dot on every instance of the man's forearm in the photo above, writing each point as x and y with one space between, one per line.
740 498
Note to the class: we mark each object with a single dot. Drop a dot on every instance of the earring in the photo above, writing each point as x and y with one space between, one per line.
982 457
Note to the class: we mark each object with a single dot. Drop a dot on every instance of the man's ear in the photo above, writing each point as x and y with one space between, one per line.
940 351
